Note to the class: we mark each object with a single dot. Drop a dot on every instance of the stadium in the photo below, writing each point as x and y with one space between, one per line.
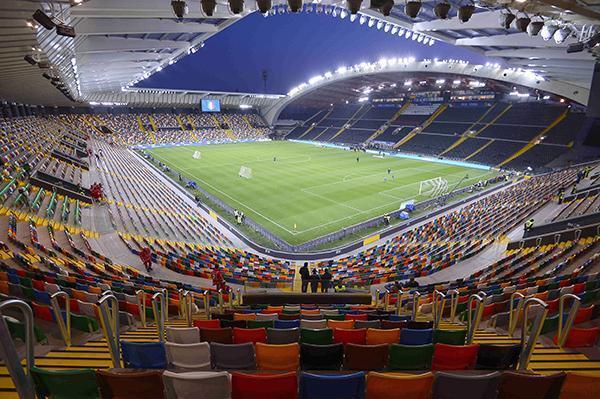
300 199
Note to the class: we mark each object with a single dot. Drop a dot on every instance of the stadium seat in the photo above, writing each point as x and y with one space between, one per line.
321 357
365 357
580 386
347 324
410 336
189 335
356 317
367 324
67 384
322 336
530 386
244 316
130 384
419 325
378 336
313 324
259 324
312 317
220 335
264 386
283 335
234 323
289 316
266 316
450 337
456 386
316 386
233 356
582 337
212 385
454 357
498 357
393 324
350 336
144 355
283 324
285 357
410 357
214 323
253 335
386 386
189 357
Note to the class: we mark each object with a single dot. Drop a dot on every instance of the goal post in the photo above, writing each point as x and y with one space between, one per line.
433 187
197 155
245 172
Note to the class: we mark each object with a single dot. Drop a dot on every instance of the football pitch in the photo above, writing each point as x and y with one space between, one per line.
302 191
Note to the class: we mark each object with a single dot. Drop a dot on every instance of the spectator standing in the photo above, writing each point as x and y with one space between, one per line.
146 258
305 276
325 280
314 281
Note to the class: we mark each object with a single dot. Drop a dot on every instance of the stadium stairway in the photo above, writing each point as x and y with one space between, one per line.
477 151
355 116
316 123
152 123
419 129
463 137
191 122
382 129
536 140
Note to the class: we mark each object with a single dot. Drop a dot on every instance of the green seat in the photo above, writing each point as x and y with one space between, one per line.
590 285
27 293
259 323
461 307
290 311
552 286
550 324
84 323
410 357
17 330
316 337
65 384
335 317
450 337
26 282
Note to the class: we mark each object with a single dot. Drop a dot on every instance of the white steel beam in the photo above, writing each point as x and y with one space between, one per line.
118 44
122 26
512 40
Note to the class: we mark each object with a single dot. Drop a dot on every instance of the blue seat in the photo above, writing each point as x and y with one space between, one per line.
410 336
41 297
348 386
286 323
14 279
144 355
395 317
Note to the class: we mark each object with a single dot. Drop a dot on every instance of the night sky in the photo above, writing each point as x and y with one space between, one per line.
291 48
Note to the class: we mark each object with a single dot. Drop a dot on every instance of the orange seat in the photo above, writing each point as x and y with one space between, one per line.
580 386
277 357
310 311
273 309
376 336
244 316
454 357
399 386
360 316
346 324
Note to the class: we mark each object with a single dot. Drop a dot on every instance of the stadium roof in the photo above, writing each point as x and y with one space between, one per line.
119 42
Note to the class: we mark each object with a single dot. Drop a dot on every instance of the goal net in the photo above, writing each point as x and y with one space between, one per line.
245 172
197 155
433 187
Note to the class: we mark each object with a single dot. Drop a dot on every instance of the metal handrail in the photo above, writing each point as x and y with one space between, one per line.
454 294
377 298
473 323
513 314
141 294
65 328
399 302
386 300
416 295
536 328
565 329
165 292
109 321
439 301
8 352
182 310
239 297
189 306
207 304
220 298
158 309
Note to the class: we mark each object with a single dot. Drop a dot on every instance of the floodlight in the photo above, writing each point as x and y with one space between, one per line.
264 5
522 22
236 6
506 18
43 19
180 8
442 9
208 6
548 30
534 27
295 5
412 8
465 12
65 30
30 59
386 7
562 34
353 6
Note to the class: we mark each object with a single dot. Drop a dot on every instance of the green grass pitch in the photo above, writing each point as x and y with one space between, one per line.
308 191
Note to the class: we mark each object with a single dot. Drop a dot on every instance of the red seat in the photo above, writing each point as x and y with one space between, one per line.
584 314
346 336
42 312
582 337
219 335
360 316
264 386
552 306
215 323
578 288
454 357
254 335
132 308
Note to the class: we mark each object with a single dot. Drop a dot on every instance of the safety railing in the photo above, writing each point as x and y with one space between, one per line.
64 325
8 352
159 312
453 304
528 339
564 328
514 312
220 299
474 319
109 322
239 297
207 304
399 305
416 296
377 293
439 302
188 303
141 296
386 300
